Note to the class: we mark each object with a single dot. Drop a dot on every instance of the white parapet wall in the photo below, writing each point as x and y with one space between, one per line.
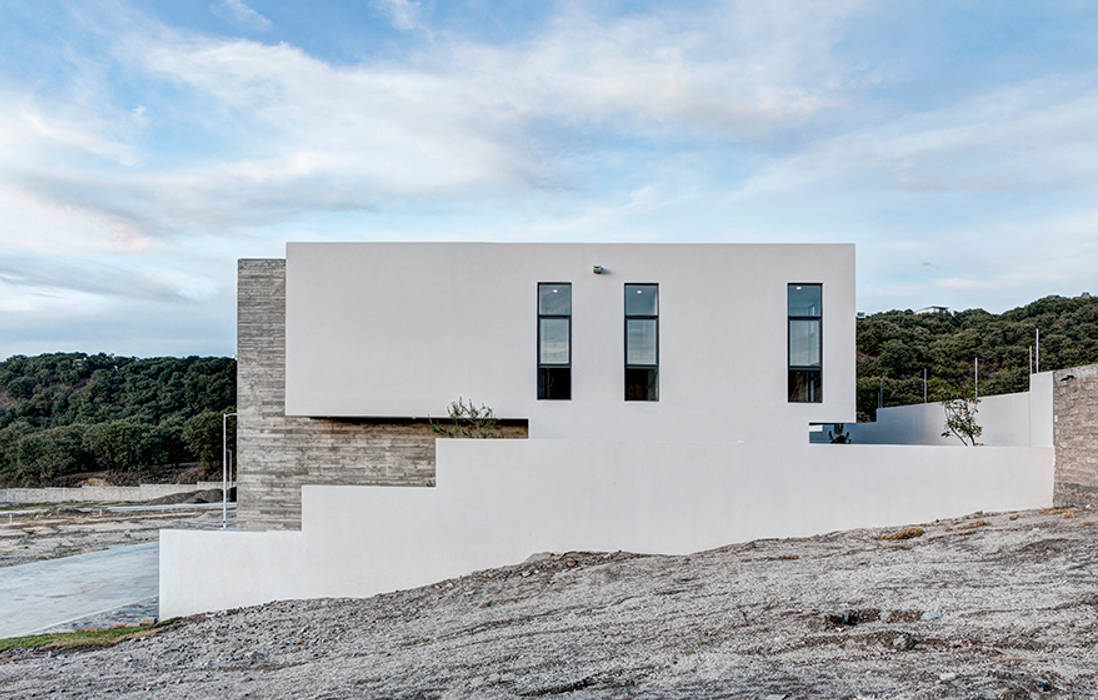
1023 419
498 501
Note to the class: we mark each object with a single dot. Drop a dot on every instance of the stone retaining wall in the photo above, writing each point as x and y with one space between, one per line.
1075 435
84 494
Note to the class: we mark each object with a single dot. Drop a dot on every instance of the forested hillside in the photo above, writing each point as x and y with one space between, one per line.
895 346
67 413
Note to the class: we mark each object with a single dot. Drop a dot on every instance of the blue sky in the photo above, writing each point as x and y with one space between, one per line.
145 146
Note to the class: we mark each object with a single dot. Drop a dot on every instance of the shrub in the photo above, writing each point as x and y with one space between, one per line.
468 421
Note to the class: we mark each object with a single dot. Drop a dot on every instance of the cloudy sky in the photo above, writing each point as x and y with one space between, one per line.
146 145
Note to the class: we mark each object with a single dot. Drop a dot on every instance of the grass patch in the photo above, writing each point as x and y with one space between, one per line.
85 639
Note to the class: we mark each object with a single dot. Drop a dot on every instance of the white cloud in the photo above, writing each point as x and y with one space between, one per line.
53 222
1032 136
402 14
236 11
630 127
992 264
453 121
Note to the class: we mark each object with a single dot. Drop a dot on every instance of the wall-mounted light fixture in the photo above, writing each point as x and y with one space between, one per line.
597 269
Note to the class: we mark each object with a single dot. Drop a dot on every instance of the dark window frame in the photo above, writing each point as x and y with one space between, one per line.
625 338
790 367
537 349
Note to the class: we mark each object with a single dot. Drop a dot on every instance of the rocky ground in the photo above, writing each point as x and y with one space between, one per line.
61 531
990 606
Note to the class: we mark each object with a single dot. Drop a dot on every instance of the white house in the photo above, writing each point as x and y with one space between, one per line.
661 395
685 342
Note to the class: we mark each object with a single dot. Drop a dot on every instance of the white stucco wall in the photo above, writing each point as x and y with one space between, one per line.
402 329
1023 419
497 502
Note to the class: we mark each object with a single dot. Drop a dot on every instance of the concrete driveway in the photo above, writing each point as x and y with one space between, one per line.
51 594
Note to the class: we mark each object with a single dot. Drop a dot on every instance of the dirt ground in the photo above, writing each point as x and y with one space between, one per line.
61 531
989 606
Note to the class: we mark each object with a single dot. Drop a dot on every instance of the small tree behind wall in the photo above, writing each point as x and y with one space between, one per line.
961 420
838 434
468 421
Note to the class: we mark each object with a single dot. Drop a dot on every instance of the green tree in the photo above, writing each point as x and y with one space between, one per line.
47 454
961 420
202 437
10 435
124 444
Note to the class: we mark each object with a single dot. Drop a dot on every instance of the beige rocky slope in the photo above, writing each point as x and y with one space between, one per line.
1002 605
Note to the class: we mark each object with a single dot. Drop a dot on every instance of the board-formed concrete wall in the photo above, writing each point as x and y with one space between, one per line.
276 454
499 501
1075 435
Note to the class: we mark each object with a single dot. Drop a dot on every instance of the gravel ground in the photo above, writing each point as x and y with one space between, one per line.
990 606
62 531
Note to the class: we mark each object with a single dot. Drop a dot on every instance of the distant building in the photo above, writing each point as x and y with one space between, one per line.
861 314
933 310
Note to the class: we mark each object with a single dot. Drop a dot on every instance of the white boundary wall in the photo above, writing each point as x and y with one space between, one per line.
93 494
498 501
1023 419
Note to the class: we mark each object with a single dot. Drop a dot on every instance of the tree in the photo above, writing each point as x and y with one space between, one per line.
468 421
46 454
202 437
124 444
961 420
838 434
10 435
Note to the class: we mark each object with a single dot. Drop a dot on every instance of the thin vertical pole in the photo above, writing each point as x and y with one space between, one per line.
224 471
1031 359
977 372
924 384
1038 353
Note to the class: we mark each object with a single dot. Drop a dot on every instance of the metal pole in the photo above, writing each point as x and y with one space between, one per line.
977 364
924 384
225 469
1031 359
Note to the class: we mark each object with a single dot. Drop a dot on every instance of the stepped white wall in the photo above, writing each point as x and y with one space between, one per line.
498 501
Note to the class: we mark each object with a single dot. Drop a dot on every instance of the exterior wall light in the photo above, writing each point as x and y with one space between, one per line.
597 269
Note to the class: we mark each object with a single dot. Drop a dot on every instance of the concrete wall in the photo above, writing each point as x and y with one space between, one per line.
1023 419
1075 410
497 502
110 494
276 454
401 329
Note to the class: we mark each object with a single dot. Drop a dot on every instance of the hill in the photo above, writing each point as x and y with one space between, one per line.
999 607
67 413
895 346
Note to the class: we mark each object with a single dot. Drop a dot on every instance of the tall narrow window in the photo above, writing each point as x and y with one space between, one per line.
642 342
555 340
805 303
